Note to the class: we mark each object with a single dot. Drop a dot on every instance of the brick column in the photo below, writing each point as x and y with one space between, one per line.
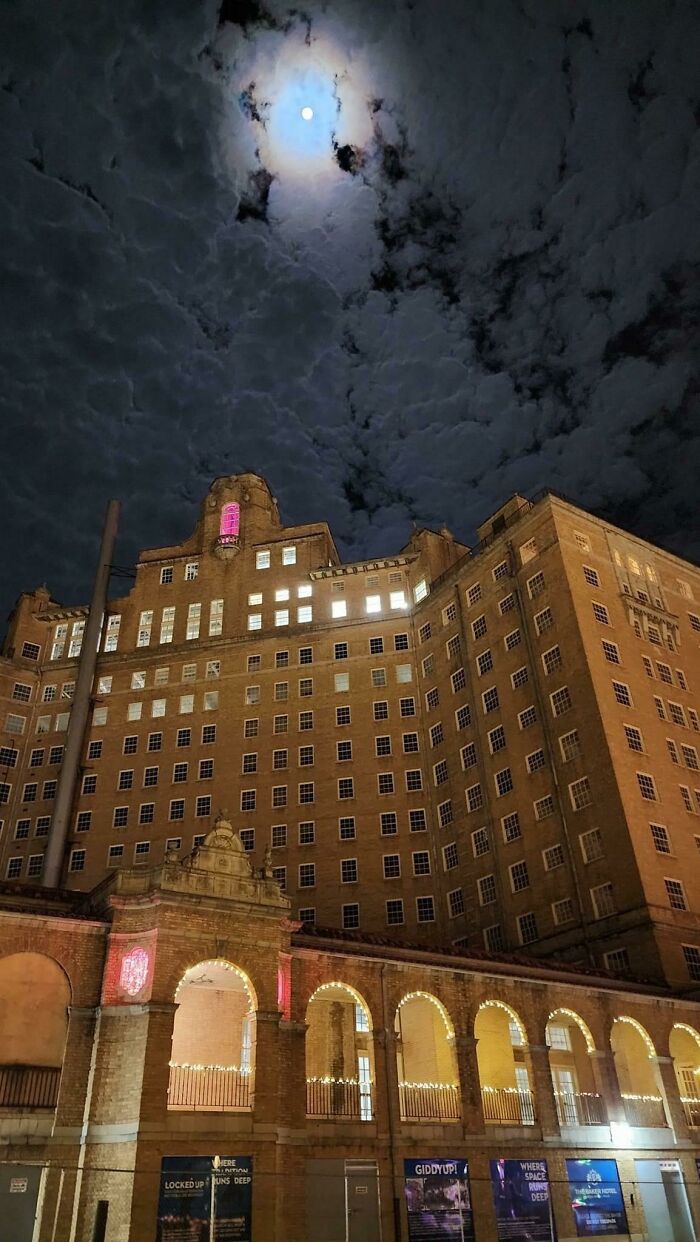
267 1048
469 1084
292 1080
76 1067
668 1089
543 1089
156 1069
607 1085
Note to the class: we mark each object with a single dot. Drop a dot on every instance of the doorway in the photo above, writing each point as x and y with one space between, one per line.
665 1201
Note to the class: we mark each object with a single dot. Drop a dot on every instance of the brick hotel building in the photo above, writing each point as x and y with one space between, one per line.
493 748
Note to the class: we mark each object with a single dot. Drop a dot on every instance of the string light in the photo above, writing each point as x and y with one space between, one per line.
203 1069
590 1045
343 1082
434 1001
648 1099
221 964
640 1031
430 1086
496 1004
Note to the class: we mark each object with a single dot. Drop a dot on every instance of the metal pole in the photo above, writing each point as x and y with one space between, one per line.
65 793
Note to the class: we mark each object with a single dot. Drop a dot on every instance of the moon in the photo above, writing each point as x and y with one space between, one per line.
307 113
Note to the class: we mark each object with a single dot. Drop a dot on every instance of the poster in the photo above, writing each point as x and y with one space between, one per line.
438 1201
191 1210
596 1197
521 1199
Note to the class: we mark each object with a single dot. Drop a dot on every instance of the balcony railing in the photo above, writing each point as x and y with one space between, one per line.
691 1108
29 1086
644 1110
334 1099
429 1101
209 1088
508 1106
580 1108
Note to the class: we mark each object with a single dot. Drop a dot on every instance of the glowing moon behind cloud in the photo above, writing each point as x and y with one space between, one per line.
307 114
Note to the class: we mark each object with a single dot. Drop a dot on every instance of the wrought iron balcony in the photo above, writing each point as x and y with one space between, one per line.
29 1086
209 1088
336 1099
429 1101
580 1108
508 1106
644 1110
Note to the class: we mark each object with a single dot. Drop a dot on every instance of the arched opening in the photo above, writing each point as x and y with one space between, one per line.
570 1045
213 1054
504 1073
684 1046
426 1061
339 1054
635 1065
34 999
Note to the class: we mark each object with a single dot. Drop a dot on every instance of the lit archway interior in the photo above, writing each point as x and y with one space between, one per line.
215 1019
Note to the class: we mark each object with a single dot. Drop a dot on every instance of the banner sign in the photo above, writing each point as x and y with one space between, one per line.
596 1197
521 1199
192 1210
438 1201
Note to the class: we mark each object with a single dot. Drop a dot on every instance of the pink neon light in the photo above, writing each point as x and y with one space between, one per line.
134 972
230 523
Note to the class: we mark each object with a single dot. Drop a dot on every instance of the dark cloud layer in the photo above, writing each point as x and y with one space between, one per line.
488 282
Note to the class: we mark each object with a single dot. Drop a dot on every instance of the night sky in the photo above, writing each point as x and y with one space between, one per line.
474 272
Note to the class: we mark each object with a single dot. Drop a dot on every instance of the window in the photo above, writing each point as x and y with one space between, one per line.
194 615
647 786
691 954
543 620
437 736
501 570
486 888
479 628
440 773
480 842
449 614
404 673
611 651
473 594
535 760
307 792
307 874
490 700
373 604
551 660
561 701
633 738
544 807
553 857
676 894
202 806
407 707
677 714
394 913
16 724
690 756
382 745
417 821
77 860
512 640
414 780
519 678
445 813
147 812
510 826
348 871
660 838
535 585
289 556
381 711
484 662
591 845
591 576
387 824
601 614
493 938
519 878
458 680
622 693
346 828
468 756
474 797
306 755
350 916
463 717
177 809
307 832
378 676
503 781
425 909
306 655
527 928
563 912
450 856
580 793
89 784
397 599
279 836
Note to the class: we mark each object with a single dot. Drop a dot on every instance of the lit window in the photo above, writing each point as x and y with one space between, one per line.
339 608
167 625
305 614
373 603
420 590
166 575
397 599
230 523
289 556
191 571
262 560
216 617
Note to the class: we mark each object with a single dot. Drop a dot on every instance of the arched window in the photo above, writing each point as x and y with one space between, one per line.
34 1000
504 1073
425 1058
339 1054
571 1045
230 522
635 1064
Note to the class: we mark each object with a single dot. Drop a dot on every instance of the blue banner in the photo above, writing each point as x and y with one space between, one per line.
189 1203
438 1200
521 1199
596 1197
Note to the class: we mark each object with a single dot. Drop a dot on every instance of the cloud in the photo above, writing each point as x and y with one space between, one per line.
480 275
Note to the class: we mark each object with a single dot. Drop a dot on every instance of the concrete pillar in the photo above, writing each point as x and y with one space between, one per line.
543 1089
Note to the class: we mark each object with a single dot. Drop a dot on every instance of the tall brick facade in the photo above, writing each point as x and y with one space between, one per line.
495 747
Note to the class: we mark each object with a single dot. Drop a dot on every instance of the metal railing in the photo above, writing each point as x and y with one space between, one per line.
508 1106
691 1108
29 1086
644 1110
580 1108
331 1099
209 1088
429 1101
